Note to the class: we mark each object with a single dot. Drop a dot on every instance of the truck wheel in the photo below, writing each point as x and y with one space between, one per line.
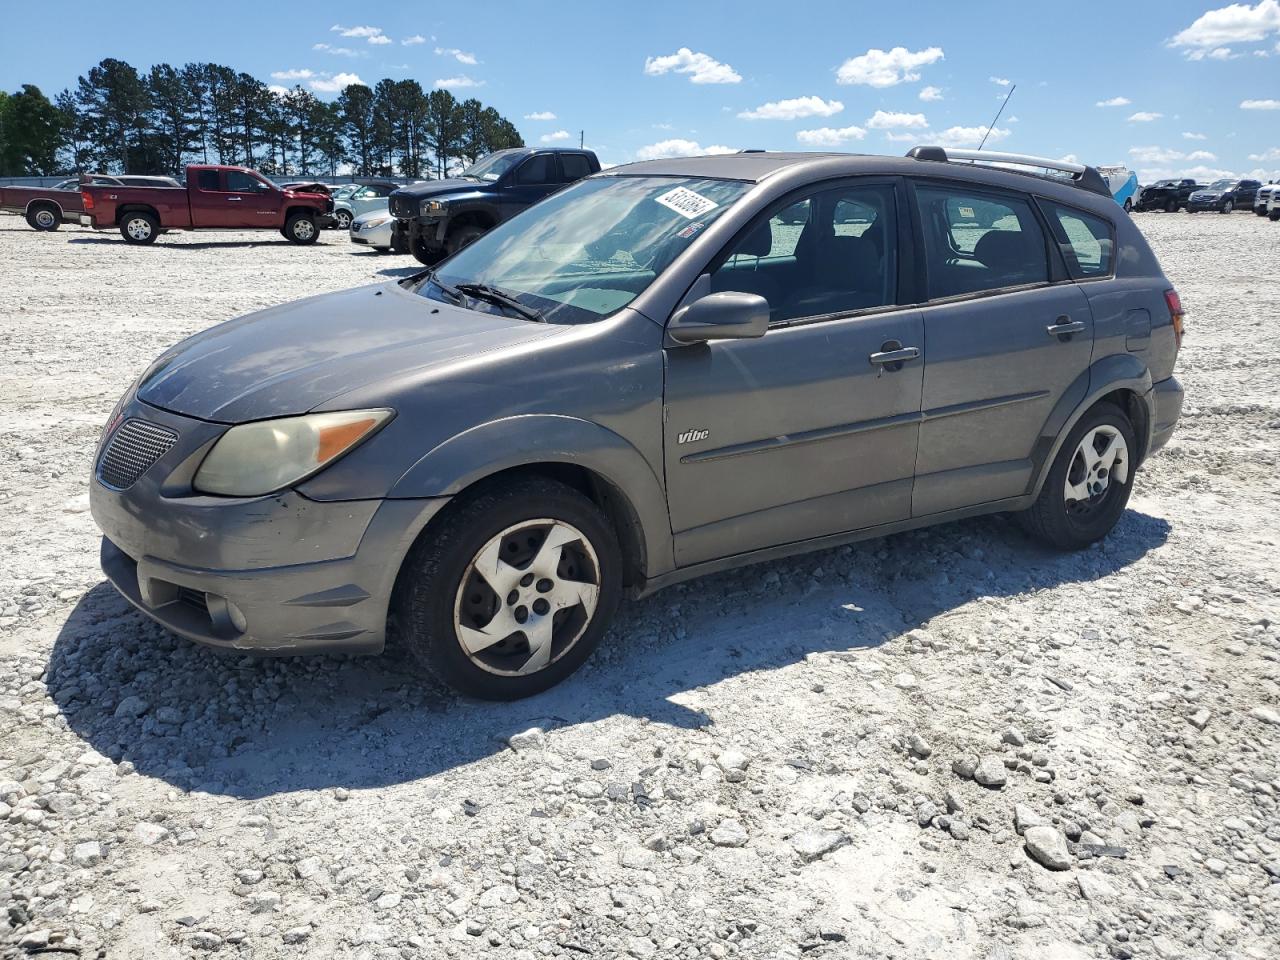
43 218
1171 206
425 255
300 228
512 591
1227 206
1088 485
140 227
1128 206
342 219
459 237
1274 215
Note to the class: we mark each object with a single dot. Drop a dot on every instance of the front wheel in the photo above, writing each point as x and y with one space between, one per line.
300 228
1227 206
43 218
512 591
1088 485
425 255
459 237
140 227
1128 206
1171 206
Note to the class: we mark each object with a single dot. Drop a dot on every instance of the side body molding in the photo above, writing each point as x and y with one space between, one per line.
498 445
1119 371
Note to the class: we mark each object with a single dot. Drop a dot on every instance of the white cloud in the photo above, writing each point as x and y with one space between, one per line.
460 55
554 137
337 51
1201 155
700 67
1167 155
334 84
413 41
1188 135
292 75
880 68
678 148
969 136
794 109
1260 104
1213 30
1266 155
1144 116
380 40
540 115
1221 53
366 32
906 136
931 94
1114 102
460 82
1000 80
830 136
881 120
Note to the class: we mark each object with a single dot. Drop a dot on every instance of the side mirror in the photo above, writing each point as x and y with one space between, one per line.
720 316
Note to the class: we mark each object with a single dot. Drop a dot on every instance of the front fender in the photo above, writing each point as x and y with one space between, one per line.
529 439
1119 371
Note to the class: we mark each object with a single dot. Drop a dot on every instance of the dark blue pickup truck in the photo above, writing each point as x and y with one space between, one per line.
440 217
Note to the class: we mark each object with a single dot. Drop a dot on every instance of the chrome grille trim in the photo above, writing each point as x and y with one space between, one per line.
131 451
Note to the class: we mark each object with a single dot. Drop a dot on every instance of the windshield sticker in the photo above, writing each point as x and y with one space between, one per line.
966 212
690 230
686 202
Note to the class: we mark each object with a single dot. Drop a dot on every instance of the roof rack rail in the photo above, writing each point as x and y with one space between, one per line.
1079 174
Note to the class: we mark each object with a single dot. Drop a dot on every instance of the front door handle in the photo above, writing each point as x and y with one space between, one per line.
235 198
892 355
1064 327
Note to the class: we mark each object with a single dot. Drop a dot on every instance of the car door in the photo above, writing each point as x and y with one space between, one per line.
810 430
1008 336
528 183
251 201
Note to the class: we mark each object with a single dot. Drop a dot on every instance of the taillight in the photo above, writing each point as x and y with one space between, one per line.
1176 314
87 199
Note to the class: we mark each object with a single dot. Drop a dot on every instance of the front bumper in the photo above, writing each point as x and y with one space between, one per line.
1166 407
277 574
1198 206
379 236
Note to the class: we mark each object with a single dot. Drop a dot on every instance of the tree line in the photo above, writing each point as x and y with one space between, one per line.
119 120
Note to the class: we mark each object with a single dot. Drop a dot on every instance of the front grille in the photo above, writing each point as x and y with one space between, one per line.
131 451
403 205
195 599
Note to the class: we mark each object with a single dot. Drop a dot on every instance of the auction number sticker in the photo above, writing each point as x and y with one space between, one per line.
688 203
966 212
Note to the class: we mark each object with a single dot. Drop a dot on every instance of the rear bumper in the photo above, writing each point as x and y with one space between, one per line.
1166 407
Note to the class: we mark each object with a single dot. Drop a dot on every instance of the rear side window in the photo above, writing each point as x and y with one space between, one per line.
207 180
574 166
976 242
1084 238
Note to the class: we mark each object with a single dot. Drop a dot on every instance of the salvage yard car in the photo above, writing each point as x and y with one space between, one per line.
47 208
369 195
1263 197
439 218
375 230
659 372
215 198
1167 195
1224 196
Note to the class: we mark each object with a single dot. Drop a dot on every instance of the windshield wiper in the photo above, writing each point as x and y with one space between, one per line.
430 276
482 291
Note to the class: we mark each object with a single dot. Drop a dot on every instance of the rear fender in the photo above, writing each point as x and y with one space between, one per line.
1120 371
533 439
44 202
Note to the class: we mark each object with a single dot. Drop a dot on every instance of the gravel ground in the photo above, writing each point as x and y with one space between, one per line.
948 743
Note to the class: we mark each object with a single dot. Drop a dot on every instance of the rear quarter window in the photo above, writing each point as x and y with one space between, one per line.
1087 240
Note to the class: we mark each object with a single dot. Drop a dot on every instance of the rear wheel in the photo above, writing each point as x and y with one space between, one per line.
512 591
44 218
1089 483
140 227
300 228
342 219
1274 215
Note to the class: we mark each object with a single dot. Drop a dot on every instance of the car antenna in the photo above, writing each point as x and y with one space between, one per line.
997 117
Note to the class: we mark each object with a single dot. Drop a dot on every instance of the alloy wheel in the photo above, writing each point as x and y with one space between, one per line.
303 229
527 597
1100 464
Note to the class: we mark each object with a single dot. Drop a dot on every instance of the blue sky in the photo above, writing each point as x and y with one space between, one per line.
1168 88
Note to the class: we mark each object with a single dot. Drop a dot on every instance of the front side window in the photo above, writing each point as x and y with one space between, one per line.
540 169
828 253
1087 240
588 250
975 242
493 166
240 182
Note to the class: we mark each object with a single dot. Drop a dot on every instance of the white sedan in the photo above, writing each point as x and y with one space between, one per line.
373 229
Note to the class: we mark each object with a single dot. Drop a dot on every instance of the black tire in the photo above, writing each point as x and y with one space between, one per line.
44 217
342 219
1051 519
301 228
1227 206
1260 212
1273 215
431 579
140 227
425 255
1171 206
459 237
1128 206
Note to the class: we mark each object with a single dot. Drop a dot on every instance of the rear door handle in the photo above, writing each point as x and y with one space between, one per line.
1065 326
234 198
898 356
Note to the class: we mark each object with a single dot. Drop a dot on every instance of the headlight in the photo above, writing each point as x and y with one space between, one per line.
430 208
375 222
257 458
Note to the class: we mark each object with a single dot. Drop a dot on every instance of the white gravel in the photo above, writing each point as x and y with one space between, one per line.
774 762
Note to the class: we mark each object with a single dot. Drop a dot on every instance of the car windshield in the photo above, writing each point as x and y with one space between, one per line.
1166 183
493 166
587 251
1222 184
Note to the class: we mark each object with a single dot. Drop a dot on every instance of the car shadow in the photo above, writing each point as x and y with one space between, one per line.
253 727
401 271
199 245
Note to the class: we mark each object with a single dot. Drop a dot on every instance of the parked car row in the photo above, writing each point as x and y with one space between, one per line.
1222 196
47 208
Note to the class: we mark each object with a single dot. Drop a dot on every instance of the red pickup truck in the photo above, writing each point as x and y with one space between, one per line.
47 208
215 198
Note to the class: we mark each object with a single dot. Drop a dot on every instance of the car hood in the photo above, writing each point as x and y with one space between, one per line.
435 187
290 359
